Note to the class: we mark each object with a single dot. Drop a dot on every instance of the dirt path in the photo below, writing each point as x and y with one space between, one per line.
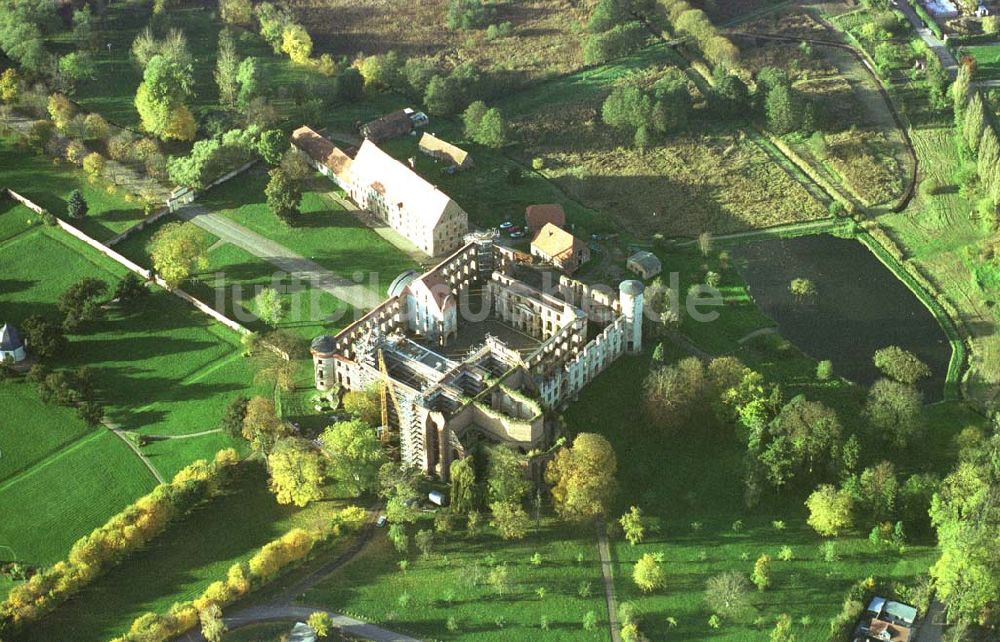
607 571
282 606
279 256
138 452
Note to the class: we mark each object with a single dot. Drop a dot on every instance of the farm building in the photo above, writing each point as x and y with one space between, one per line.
536 216
645 264
489 376
885 621
398 123
426 216
323 155
560 248
11 344
443 150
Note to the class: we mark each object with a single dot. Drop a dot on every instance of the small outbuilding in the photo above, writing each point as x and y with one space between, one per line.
537 216
443 150
11 344
560 248
645 264
398 123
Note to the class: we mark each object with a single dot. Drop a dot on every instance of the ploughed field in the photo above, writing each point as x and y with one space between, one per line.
859 306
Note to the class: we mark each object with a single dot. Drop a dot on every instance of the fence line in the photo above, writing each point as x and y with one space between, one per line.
131 266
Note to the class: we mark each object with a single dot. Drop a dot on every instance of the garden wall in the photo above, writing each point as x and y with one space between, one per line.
133 267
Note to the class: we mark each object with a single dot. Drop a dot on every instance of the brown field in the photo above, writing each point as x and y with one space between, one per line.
714 181
865 151
547 40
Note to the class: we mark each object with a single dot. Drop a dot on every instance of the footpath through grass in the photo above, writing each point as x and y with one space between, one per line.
691 487
55 502
452 583
181 562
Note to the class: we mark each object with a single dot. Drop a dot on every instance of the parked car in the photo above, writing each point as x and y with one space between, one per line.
520 234
506 225
381 521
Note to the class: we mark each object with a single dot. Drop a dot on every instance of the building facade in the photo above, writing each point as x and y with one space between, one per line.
449 377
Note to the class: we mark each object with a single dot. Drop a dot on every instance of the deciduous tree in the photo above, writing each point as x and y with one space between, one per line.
648 574
633 525
178 250
901 365
583 477
895 410
831 511
297 472
261 425
283 195
354 455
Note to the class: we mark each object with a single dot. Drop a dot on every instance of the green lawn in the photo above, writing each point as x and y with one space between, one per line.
15 219
70 493
49 183
42 429
691 487
182 561
987 59
371 587
161 368
324 232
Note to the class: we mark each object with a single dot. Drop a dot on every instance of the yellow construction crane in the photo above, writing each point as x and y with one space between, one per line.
386 391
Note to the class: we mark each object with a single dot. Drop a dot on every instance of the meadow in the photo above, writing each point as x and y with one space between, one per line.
547 38
685 483
49 183
452 583
180 563
75 489
112 91
160 368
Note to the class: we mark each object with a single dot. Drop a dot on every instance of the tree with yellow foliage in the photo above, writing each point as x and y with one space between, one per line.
297 472
296 42
583 477
178 250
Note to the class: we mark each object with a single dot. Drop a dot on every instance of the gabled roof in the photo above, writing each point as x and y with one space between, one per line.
536 216
395 124
438 287
10 338
647 260
429 143
399 185
554 241
321 150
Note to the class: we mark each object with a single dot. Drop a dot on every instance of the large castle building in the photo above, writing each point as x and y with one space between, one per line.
480 347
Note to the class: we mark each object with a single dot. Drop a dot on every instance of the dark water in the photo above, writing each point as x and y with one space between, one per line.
860 306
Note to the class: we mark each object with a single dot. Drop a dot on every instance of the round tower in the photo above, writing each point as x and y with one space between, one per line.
322 350
630 295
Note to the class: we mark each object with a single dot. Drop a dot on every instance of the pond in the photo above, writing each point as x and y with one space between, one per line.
859 306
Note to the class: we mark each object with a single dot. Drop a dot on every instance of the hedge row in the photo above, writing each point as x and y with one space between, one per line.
123 534
242 578
692 22
927 18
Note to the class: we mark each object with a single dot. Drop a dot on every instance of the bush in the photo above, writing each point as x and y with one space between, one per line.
824 370
128 531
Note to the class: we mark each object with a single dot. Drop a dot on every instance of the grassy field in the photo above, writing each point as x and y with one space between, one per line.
49 184
324 232
987 59
160 368
181 562
942 234
15 219
112 92
452 583
547 38
695 504
76 489
708 178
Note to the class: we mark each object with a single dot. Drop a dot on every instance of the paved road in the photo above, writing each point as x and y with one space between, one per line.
347 625
607 570
936 44
280 257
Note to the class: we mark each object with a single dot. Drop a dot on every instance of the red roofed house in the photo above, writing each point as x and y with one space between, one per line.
536 216
560 248
322 154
